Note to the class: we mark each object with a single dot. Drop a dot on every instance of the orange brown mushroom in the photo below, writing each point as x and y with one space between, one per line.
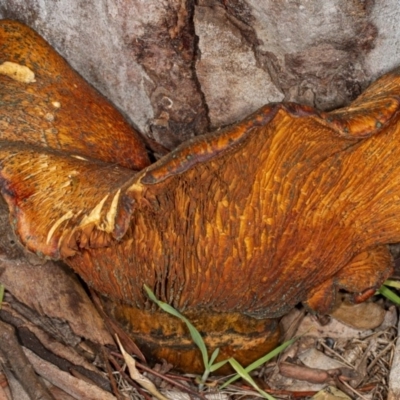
233 228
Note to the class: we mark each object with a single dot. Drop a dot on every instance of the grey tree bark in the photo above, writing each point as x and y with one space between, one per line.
179 68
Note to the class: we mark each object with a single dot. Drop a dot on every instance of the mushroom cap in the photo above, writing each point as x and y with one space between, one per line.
251 219
45 102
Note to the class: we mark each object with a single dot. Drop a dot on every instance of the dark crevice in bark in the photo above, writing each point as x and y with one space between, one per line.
166 51
196 56
239 14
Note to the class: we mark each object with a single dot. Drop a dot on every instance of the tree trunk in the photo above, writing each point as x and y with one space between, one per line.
180 68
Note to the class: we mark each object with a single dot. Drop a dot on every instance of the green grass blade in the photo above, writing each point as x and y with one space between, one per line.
209 363
169 309
261 361
194 333
214 356
392 283
245 375
218 365
150 293
389 294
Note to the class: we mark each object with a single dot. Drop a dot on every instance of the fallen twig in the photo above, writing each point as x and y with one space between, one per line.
381 354
110 374
351 389
118 368
137 376
166 378
312 375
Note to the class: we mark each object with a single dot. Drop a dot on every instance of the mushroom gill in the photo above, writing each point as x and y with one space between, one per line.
233 228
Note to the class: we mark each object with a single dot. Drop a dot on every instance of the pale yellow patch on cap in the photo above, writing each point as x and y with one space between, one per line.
18 72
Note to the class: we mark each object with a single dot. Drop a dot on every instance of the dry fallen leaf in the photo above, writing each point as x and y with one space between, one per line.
330 393
137 376
314 358
368 315
334 329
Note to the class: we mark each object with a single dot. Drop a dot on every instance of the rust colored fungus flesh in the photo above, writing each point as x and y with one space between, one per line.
233 228
45 102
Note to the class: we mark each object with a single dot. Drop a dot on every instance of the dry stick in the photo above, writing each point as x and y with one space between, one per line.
22 368
165 378
304 373
114 328
368 387
361 366
171 381
329 350
275 392
110 374
356 392
179 377
381 354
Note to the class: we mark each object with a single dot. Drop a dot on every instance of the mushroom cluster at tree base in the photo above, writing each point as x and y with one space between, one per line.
289 205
